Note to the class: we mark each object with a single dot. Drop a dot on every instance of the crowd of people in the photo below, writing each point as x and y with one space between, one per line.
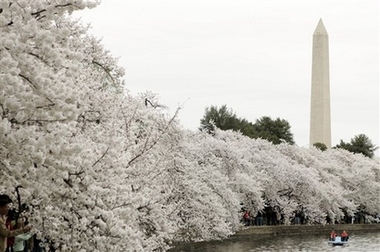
267 218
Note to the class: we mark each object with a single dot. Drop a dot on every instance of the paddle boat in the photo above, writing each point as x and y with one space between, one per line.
337 241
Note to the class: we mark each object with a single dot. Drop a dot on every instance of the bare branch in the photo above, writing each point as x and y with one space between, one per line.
97 161
105 69
146 147
27 79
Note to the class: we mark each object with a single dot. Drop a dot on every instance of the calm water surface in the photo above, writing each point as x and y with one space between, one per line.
358 242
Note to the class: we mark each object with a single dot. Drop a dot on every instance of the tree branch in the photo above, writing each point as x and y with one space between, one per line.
97 161
27 79
105 69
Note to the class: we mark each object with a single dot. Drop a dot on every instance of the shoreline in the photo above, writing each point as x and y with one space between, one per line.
262 232
306 229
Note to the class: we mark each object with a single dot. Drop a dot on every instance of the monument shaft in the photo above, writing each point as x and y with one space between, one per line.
320 119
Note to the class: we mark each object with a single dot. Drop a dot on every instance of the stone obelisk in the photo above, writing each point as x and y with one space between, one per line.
320 119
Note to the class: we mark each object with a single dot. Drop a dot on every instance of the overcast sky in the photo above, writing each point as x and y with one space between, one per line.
254 56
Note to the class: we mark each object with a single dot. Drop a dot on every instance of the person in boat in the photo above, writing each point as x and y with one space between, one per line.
344 235
332 235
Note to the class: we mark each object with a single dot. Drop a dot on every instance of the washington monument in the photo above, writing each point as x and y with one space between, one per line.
320 119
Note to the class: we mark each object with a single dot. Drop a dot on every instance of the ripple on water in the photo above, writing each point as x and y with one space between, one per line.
358 242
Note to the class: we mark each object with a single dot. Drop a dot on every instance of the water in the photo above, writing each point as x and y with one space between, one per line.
359 242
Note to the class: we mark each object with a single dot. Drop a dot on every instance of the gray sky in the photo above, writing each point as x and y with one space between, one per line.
254 56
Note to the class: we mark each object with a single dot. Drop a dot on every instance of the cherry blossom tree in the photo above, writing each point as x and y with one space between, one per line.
101 169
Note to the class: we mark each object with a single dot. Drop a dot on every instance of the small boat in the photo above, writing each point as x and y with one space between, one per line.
338 241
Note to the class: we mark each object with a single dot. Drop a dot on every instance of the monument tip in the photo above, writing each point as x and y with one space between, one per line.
320 30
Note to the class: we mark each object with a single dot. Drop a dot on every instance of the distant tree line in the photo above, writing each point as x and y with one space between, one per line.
276 131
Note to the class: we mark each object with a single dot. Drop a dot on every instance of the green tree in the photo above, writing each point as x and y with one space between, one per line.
320 146
246 128
275 131
359 144
222 118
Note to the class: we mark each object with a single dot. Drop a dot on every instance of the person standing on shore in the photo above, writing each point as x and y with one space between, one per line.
247 218
5 201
